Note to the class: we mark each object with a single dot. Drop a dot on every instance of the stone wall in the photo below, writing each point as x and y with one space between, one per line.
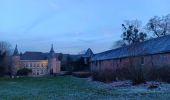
56 69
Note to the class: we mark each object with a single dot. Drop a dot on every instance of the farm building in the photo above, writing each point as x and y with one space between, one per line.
151 54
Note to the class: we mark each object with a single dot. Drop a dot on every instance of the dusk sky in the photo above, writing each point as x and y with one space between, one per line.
71 25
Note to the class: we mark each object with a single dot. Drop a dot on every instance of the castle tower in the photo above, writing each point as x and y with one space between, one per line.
15 61
53 63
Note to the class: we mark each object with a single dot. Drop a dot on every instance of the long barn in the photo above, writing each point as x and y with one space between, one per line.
153 53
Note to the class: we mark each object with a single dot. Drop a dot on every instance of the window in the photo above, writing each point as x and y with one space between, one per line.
142 60
37 72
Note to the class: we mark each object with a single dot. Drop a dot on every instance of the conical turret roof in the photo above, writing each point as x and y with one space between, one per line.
16 51
52 52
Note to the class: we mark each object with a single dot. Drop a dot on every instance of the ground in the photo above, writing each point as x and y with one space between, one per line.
71 88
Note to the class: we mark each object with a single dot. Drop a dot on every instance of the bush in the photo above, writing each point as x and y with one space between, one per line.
123 74
24 72
4 63
136 74
163 74
81 74
133 73
153 86
104 76
2 71
63 73
79 65
158 74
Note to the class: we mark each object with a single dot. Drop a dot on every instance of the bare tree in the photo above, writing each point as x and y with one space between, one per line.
4 57
159 26
5 47
132 32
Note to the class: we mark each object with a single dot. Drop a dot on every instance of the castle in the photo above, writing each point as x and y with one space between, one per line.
40 63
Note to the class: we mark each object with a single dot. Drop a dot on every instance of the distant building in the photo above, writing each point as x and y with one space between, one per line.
154 53
88 54
40 63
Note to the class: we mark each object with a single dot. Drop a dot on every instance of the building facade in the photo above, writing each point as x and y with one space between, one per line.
40 63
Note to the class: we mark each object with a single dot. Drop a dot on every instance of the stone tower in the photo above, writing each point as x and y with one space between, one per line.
15 61
53 63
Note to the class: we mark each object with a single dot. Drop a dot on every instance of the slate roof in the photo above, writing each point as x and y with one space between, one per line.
34 56
75 57
152 46
44 56
88 53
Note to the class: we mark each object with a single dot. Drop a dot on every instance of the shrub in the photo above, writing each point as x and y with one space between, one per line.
104 76
123 74
163 74
136 74
133 73
158 74
2 71
4 63
153 86
81 74
151 73
79 65
63 73
24 72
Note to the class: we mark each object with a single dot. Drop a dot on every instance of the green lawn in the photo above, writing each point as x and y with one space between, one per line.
70 88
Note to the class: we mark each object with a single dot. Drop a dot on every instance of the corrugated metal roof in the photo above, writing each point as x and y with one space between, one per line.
152 46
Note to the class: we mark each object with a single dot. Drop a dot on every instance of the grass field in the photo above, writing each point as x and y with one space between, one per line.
71 88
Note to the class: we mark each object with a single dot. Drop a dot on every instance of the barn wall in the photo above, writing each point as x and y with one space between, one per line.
150 61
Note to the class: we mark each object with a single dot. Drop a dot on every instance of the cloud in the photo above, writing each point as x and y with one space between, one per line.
52 11
39 20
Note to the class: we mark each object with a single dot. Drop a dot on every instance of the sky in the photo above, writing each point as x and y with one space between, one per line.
71 26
